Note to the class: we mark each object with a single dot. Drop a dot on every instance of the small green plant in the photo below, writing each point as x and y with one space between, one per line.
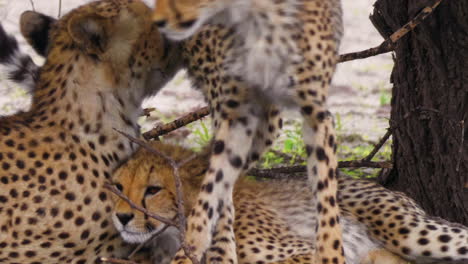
385 98
202 134
288 150
338 123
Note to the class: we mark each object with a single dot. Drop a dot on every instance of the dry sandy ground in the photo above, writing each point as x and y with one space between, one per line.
359 96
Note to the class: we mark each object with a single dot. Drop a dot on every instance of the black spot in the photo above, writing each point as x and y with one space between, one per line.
236 162
336 244
423 241
321 154
445 238
232 103
219 176
403 230
463 250
209 187
307 110
218 147
321 116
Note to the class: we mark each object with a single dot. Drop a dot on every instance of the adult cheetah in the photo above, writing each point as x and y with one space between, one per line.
273 217
103 58
279 53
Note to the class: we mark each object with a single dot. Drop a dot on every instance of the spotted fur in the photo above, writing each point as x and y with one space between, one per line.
275 220
102 60
251 56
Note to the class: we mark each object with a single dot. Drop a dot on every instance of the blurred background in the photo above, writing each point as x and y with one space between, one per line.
359 98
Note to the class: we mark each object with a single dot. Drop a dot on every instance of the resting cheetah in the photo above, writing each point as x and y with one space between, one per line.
273 218
267 52
102 60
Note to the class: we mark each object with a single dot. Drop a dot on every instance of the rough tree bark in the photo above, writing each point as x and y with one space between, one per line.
430 105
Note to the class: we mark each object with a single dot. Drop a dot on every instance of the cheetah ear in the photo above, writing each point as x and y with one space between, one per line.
35 29
89 32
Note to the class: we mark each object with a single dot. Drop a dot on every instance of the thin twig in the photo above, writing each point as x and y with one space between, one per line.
389 44
341 164
32 5
414 22
141 245
378 145
117 261
384 47
181 214
137 207
178 123
365 164
460 150
60 9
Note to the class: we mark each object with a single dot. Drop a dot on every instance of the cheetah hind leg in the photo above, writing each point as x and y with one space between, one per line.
233 141
319 139
222 248
267 131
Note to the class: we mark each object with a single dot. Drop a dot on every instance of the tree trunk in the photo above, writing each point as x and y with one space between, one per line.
430 105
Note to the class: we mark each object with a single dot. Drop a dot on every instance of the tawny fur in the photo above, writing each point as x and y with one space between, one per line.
275 219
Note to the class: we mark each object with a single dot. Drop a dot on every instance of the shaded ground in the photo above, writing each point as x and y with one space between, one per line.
359 98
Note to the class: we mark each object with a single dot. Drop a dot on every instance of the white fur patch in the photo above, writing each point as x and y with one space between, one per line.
264 49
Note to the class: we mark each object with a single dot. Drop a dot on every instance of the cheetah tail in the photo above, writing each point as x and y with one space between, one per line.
18 66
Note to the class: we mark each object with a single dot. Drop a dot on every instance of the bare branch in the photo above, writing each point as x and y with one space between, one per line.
389 44
384 47
303 168
378 145
60 9
32 5
178 123
365 164
414 22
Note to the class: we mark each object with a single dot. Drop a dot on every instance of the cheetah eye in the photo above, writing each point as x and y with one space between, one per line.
152 190
187 24
119 187
160 23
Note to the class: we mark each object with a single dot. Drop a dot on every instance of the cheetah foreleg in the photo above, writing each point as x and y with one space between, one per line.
233 140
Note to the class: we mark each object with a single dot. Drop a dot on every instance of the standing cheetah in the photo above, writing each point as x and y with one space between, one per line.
273 217
266 54
102 61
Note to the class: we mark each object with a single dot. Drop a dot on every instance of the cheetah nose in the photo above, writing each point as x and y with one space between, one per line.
125 218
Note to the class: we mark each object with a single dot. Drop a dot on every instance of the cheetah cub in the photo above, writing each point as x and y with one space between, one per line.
270 53
274 218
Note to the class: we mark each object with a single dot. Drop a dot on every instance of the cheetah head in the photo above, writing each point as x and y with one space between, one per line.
148 180
117 35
